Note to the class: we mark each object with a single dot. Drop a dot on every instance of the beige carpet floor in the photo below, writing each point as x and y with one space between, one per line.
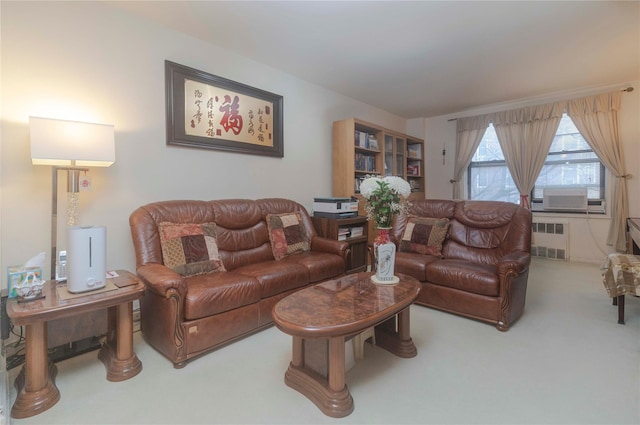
566 361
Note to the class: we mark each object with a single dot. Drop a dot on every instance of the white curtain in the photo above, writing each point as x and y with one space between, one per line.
525 136
468 137
596 117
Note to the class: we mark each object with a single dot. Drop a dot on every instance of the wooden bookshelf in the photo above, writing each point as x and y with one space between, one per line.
391 154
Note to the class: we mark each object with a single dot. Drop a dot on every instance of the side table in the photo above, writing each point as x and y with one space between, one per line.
37 391
335 228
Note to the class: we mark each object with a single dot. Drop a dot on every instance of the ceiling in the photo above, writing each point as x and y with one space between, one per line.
423 58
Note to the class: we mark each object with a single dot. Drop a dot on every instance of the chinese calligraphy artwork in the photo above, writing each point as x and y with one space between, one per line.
217 113
211 112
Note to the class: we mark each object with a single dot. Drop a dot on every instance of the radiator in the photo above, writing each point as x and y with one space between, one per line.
550 239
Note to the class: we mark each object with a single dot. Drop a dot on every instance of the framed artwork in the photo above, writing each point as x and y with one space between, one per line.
211 112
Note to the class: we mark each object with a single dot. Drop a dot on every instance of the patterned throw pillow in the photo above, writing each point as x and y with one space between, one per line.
424 235
287 234
190 249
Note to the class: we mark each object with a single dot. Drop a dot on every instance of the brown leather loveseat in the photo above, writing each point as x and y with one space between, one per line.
471 256
211 271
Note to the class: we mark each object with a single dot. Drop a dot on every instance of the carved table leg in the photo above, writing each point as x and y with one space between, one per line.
397 342
336 364
117 352
330 393
298 352
37 391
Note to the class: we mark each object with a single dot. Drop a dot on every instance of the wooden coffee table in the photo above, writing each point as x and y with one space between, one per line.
37 391
320 318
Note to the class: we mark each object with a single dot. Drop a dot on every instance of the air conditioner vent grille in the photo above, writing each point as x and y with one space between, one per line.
550 240
565 199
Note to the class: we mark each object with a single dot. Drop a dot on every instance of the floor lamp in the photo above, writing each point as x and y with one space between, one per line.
69 146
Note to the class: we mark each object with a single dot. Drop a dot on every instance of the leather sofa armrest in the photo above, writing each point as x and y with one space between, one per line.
160 279
330 246
514 262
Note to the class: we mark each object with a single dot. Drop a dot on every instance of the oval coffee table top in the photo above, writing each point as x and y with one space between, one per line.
343 306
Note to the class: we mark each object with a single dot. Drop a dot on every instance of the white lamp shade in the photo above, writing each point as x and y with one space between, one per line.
59 142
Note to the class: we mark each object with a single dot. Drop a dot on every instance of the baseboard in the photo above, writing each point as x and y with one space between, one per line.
587 260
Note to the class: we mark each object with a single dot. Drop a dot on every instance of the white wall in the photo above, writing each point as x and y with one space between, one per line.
587 235
88 61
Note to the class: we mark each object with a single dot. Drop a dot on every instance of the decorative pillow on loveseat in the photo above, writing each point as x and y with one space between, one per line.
287 234
424 235
190 249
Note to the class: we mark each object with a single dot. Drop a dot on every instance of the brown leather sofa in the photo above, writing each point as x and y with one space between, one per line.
183 317
484 263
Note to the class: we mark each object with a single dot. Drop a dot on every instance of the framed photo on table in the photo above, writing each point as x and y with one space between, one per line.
211 112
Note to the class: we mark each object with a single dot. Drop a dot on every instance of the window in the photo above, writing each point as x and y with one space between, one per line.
571 163
488 176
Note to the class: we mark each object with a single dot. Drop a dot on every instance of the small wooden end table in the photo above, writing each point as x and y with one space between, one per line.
37 391
321 317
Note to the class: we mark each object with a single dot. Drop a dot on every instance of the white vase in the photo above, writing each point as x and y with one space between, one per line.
385 255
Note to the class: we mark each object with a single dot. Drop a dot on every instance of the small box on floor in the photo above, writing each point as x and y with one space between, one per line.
16 274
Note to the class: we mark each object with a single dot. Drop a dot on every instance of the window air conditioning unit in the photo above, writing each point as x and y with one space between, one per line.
565 199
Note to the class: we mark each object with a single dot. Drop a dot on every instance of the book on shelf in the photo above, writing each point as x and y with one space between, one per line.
365 140
344 233
357 231
361 139
373 143
413 169
365 162
414 150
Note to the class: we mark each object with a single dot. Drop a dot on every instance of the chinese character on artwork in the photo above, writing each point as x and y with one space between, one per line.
198 115
251 130
231 119
215 112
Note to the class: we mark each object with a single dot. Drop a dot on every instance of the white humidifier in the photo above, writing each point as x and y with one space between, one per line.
87 258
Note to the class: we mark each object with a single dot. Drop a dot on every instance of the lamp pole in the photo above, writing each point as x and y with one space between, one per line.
73 186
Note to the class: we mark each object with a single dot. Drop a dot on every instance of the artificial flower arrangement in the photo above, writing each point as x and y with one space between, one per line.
385 196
